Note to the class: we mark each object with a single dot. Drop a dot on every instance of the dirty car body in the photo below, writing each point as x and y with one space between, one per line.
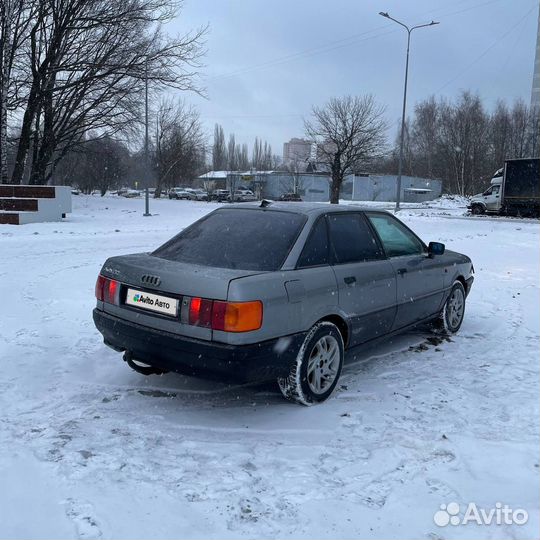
236 294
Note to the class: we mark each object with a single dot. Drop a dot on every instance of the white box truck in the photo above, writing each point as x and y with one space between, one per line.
514 190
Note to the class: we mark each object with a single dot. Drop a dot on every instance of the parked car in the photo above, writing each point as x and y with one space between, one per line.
291 197
221 195
178 193
244 195
275 291
197 194
131 193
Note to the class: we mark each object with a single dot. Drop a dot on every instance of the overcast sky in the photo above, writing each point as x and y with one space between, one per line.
268 62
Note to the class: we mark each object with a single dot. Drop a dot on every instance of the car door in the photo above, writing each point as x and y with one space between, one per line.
419 278
312 289
365 278
492 199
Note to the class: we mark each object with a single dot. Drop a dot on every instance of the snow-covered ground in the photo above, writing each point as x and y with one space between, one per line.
91 449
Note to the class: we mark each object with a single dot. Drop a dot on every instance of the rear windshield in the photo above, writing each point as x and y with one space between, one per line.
236 238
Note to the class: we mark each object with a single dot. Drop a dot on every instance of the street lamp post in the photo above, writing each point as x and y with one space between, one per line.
146 160
409 31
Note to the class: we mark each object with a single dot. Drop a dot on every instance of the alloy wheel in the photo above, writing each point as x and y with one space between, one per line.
323 364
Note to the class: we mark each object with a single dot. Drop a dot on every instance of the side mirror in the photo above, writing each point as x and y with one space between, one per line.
435 248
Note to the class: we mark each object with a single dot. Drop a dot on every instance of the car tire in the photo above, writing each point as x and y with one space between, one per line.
451 316
477 209
315 373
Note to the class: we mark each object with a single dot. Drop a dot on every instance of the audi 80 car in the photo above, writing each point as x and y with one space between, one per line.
277 291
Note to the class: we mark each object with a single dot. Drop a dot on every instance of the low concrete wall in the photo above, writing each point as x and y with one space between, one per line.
381 187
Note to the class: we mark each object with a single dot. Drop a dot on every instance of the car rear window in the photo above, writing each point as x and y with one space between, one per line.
246 239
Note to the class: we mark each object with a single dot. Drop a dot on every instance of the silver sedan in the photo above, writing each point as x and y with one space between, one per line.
254 292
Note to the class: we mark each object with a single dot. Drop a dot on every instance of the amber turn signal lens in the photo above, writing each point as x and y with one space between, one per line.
237 316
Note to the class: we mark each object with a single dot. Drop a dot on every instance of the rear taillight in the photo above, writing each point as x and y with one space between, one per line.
237 316
200 312
225 316
107 290
100 283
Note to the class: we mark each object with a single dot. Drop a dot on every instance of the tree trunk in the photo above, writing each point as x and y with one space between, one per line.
4 74
26 133
3 135
335 188
36 138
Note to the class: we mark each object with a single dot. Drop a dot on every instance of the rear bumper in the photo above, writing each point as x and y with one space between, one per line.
210 360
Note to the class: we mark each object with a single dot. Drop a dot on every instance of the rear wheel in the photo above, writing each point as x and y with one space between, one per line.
451 316
317 368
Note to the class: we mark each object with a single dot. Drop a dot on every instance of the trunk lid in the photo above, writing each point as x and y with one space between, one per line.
173 277
145 272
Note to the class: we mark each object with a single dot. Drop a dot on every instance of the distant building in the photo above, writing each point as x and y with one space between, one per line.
314 185
382 187
297 150
233 180
535 92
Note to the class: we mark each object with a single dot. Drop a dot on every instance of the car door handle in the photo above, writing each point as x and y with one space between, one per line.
401 271
349 280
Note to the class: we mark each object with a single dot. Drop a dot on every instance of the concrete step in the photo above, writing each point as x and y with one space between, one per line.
9 218
14 204
27 192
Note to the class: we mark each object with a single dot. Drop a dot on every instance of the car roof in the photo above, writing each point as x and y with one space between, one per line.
307 208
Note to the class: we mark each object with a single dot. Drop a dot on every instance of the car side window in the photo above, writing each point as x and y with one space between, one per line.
351 239
495 190
315 252
397 240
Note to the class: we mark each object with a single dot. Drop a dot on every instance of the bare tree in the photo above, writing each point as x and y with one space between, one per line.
243 158
463 141
96 164
500 129
292 183
519 120
105 164
232 164
462 144
219 151
424 135
348 131
180 144
16 19
257 154
87 65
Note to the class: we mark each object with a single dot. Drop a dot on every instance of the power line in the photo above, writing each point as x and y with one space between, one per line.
209 116
496 42
307 52
337 44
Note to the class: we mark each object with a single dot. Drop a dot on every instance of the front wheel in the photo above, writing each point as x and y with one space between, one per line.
451 316
315 372
477 209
